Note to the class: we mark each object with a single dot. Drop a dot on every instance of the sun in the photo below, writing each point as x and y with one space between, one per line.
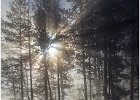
52 51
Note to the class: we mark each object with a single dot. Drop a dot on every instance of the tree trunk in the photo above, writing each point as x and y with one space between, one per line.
30 60
21 66
62 88
49 86
90 88
105 76
84 74
133 65
46 86
98 81
14 93
26 78
13 83
21 63
58 73
132 77
110 81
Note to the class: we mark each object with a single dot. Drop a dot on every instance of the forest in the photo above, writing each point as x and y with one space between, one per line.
70 50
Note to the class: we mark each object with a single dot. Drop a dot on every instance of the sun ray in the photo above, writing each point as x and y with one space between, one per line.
37 60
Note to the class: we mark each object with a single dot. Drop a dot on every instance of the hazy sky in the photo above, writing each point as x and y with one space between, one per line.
5 5
64 4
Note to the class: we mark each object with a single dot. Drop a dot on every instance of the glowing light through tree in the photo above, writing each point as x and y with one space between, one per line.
52 51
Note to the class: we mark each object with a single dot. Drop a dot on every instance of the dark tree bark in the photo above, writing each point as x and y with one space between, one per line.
84 74
132 78
46 81
90 88
30 60
14 92
132 68
110 80
58 77
21 65
62 87
105 77
51 98
98 84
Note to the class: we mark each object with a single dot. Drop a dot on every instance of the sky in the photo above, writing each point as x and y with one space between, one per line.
5 5
65 4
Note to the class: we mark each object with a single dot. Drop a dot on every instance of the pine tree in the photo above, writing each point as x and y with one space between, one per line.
16 33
